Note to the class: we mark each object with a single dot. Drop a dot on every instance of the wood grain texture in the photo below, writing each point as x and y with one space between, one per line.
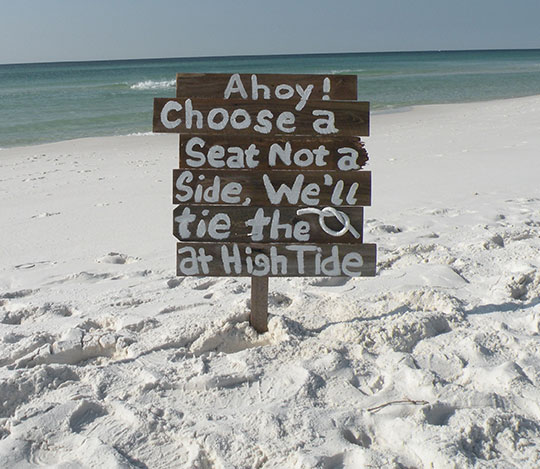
258 316
302 150
240 232
213 85
336 188
276 260
351 117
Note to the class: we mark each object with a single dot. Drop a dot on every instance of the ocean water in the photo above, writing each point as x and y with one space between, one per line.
58 101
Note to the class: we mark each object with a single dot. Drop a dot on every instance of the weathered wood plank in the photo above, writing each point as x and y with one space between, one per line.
238 117
275 260
214 85
272 188
265 224
263 153
258 316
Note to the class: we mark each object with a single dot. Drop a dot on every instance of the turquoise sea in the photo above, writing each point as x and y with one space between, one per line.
49 102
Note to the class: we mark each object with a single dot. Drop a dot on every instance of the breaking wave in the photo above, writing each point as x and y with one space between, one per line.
153 85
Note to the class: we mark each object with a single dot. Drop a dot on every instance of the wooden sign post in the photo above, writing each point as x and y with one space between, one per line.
270 180
258 316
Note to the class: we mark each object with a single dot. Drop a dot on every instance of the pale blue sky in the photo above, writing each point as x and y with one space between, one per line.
57 30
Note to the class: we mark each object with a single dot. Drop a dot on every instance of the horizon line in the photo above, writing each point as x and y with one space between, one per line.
251 56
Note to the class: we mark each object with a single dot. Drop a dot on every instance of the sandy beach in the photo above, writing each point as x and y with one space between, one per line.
107 359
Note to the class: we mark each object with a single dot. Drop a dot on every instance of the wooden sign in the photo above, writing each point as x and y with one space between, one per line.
275 260
270 179
281 188
264 153
268 224
258 87
238 117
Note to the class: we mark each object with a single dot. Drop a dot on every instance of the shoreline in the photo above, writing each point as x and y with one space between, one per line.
378 112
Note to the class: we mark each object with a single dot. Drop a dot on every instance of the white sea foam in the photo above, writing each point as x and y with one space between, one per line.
141 134
153 85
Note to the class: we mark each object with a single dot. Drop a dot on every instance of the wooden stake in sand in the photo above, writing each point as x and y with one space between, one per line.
258 317
270 180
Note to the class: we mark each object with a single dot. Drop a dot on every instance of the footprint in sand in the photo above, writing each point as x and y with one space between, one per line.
117 258
21 313
199 284
46 215
31 265
174 282
330 281
10 295
438 413
85 414
387 229
278 299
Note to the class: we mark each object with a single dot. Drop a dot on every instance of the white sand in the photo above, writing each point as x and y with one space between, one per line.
108 360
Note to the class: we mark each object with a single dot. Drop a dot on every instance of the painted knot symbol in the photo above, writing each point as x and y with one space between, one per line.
331 212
